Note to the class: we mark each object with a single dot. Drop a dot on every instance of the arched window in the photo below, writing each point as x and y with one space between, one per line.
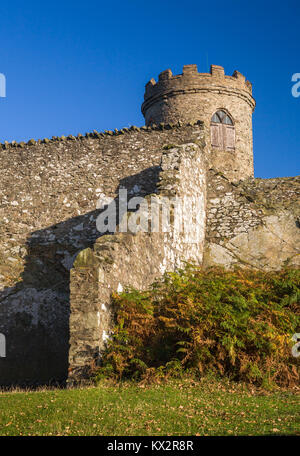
222 131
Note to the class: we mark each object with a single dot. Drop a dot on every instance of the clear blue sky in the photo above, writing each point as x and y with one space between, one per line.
74 66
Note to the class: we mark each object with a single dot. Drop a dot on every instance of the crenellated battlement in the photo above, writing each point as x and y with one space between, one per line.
192 81
190 75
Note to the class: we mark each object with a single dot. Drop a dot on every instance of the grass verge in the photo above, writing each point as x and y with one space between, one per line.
174 408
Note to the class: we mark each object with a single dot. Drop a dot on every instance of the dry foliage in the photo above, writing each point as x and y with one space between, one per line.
237 324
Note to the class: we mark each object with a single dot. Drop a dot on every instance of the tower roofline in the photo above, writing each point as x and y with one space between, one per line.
169 85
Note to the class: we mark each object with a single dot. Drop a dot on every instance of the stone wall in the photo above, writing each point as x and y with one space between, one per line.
254 223
134 259
49 191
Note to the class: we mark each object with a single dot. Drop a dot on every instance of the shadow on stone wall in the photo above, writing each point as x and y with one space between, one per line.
34 314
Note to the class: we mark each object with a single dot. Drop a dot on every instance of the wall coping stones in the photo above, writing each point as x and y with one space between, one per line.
96 134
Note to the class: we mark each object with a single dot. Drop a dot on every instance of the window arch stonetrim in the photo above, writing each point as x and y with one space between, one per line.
223 117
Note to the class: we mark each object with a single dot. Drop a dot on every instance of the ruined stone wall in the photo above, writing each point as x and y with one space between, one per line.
135 259
48 209
191 96
254 223
48 196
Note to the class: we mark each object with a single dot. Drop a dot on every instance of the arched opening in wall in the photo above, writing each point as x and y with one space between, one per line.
222 131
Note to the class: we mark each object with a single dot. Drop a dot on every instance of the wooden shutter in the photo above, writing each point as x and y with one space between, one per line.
216 135
229 137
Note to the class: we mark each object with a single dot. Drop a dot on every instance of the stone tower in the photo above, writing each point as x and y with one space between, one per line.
225 105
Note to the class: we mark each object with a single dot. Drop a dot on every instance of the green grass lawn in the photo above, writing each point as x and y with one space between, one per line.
175 408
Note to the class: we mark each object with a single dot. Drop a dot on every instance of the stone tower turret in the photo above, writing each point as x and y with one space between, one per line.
225 105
